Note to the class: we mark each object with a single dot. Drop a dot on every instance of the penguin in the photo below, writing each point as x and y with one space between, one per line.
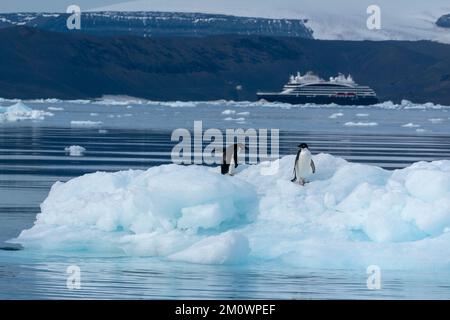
303 165
230 158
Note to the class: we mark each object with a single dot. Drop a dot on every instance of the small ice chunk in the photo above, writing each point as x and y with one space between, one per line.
228 112
360 124
75 151
87 123
436 120
336 115
411 125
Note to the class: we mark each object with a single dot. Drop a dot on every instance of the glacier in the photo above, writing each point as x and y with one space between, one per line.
349 215
400 20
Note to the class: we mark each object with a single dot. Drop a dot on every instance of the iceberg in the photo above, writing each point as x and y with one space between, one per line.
349 215
20 112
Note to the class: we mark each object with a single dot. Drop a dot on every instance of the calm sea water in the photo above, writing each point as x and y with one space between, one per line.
32 158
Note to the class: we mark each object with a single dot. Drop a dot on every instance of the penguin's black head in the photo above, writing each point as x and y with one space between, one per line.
303 146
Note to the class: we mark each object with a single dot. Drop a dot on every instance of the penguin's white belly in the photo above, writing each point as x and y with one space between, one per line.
232 169
304 166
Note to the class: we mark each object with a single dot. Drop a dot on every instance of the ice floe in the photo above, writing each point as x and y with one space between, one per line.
75 151
436 120
228 112
336 115
349 215
55 108
411 125
360 124
87 123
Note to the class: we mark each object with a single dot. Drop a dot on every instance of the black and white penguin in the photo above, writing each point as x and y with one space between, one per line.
304 165
230 158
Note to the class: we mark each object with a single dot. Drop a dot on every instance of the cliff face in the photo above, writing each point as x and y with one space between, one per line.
40 64
160 24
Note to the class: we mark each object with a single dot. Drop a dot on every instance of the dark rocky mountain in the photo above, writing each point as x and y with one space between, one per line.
444 21
41 64
157 24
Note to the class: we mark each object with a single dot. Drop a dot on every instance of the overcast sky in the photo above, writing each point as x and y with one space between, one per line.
50 5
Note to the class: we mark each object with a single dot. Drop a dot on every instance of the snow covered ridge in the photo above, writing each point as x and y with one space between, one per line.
20 112
350 215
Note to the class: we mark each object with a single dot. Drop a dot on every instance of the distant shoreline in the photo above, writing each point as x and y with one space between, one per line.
39 64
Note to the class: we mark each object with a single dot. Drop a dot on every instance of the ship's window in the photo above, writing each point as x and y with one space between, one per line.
325 85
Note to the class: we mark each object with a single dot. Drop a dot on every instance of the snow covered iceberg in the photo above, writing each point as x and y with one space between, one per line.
20 111
350 215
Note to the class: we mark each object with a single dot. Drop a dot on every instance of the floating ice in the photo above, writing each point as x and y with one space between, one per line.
88 123
55 108
118 101
158 212
20 111
350 215
360 124
234 119
362 114
75 151
228 112
436 120
179 104
51 100
411 125
336 115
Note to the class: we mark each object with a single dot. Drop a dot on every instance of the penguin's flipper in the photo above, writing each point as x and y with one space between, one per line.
235 155
313 166
295 166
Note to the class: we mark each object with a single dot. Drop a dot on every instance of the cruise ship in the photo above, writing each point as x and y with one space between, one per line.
310 88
